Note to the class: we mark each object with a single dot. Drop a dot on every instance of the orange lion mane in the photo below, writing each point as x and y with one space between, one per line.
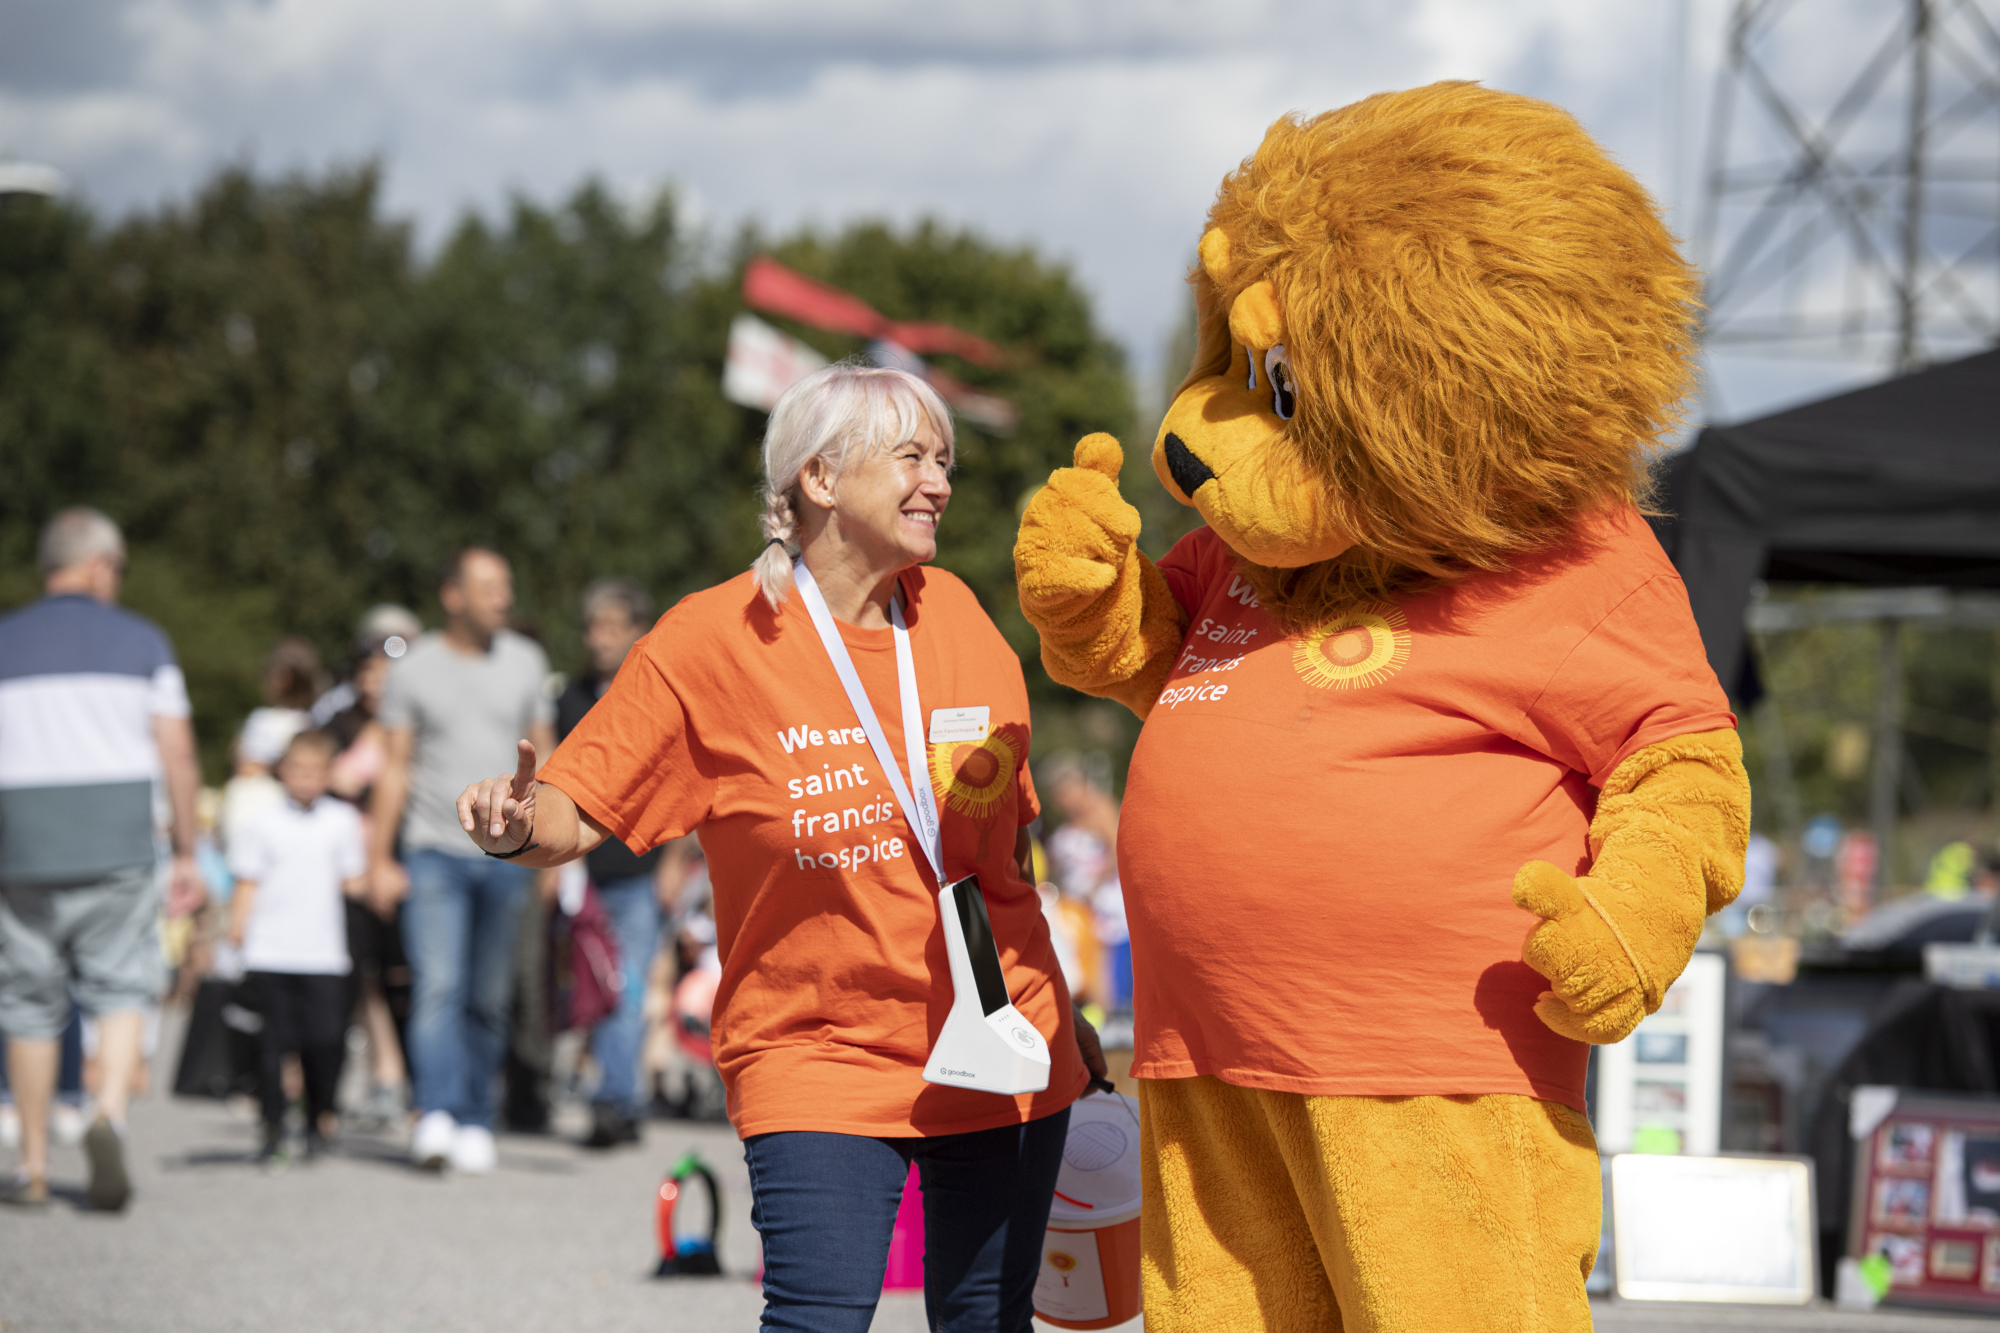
1489 322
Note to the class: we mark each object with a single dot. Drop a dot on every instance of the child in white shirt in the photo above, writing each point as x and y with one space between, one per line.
293 862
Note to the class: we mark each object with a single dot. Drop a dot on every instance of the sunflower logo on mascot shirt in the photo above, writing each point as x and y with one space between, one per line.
975 777
1354 650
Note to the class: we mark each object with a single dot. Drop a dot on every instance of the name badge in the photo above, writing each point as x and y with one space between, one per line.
950 726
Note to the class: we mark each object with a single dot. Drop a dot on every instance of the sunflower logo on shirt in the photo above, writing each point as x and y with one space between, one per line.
1354 650
976 777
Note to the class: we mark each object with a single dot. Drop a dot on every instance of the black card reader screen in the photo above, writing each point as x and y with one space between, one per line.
978 931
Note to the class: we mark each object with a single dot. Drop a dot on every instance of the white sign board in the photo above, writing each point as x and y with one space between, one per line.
1660 1090
1736 1229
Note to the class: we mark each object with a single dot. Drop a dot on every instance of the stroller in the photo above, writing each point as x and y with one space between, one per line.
701 1095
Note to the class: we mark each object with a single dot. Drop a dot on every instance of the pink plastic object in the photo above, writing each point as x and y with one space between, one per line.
692 1009
906 1246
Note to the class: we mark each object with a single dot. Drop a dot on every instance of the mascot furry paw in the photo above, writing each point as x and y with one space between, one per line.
1435 785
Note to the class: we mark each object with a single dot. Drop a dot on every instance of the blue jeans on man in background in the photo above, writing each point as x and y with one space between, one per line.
633 905
825 1206
458 930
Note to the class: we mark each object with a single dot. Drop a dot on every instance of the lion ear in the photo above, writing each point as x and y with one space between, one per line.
1255 318
1214 252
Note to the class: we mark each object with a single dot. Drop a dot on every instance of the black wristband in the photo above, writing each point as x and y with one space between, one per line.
524 848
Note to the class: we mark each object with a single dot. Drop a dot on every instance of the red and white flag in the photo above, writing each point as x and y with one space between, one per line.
763 362
771 287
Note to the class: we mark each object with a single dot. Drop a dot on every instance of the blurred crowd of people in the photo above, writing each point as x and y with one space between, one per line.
1824 884
322 906
323 901
1077 870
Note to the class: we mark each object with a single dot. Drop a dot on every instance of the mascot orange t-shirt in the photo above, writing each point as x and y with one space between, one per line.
1321 834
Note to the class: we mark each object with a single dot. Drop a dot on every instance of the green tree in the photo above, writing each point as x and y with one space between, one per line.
54 370
1821 705
293 417
223 429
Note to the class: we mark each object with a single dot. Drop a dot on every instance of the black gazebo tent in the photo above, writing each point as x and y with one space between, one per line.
1897 486
1894 485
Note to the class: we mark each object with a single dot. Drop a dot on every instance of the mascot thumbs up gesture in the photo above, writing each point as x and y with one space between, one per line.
1435 785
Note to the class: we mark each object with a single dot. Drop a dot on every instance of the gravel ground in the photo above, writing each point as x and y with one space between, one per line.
1662 1318
555 1238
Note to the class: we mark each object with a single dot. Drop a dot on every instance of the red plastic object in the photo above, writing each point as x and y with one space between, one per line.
688 1256
663 1215
906 1245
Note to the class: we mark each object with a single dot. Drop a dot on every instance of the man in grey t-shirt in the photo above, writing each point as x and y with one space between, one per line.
458 704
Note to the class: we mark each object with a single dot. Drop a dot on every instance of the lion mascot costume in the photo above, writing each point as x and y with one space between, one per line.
1435 785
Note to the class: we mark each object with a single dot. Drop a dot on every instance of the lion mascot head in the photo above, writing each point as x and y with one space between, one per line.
1434 328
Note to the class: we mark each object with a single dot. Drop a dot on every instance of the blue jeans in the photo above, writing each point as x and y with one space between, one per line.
825 1205
1119 956
458 930
634 908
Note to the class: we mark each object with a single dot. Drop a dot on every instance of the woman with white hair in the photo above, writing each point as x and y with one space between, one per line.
765 714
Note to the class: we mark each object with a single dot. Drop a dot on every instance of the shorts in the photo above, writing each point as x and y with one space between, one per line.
375 946
98 941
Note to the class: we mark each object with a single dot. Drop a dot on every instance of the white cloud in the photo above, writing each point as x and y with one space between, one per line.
1096 131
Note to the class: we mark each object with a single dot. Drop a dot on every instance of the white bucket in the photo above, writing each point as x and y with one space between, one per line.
1090 1256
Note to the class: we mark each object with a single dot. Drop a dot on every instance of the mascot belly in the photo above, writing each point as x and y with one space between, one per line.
1435 785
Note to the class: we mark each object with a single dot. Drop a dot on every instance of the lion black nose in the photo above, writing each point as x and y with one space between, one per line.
1187 471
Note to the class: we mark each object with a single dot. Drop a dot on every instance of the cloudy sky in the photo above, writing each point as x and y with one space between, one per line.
1095 130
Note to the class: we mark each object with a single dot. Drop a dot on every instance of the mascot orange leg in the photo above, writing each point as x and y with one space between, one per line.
1281 1211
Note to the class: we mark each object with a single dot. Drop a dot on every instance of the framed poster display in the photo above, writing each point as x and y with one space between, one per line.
1927 1198
1660 1090
1737 1229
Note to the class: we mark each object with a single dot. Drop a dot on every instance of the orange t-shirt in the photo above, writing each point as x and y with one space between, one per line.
1321 831
728 720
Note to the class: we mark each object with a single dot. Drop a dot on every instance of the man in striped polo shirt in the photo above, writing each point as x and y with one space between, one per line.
93 711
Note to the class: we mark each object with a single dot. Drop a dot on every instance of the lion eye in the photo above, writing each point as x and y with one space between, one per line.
1278 370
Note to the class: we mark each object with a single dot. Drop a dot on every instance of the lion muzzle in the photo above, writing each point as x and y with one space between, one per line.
1223 451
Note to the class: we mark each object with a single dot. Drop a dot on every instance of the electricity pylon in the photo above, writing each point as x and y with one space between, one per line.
1851 201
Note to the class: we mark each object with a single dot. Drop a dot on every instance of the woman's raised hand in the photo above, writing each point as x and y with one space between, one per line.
499 813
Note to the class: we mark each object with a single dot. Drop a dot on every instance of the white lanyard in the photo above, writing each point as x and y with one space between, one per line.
921 812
